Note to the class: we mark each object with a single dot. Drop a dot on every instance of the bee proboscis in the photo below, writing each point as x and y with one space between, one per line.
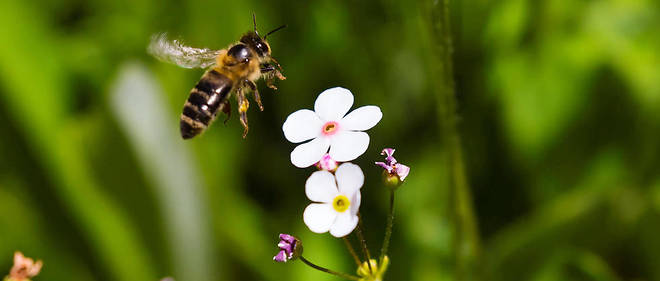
231 70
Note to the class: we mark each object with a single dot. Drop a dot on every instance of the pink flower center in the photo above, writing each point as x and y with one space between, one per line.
330 128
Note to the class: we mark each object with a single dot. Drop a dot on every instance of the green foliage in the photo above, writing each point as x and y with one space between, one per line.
534 151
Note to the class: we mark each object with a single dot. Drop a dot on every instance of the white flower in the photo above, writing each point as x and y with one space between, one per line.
339 200
327 127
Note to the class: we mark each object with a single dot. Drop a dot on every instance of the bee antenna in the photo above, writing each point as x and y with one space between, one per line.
254 22
273 31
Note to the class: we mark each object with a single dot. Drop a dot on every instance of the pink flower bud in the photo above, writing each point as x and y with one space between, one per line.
327 163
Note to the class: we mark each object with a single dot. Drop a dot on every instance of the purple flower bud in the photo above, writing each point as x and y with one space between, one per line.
395 172
290 248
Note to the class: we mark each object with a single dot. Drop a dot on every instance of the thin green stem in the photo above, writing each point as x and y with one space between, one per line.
351 250
363 241
466 245
388 228
320 268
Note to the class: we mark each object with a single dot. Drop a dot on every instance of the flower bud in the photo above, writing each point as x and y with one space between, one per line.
391 180
290 248
373 270
395 173
24 268
327 163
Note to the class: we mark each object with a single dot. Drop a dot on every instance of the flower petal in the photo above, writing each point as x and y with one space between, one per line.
387 151
348 145
302 125
362 118
389 159
402 171
332 104
288 238
321 187
280 257
355 203
383 165
285 246
319 217
344 224
349 179
307 154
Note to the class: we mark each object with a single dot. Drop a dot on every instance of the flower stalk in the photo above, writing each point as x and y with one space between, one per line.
336 273
363 241
351 250
388 228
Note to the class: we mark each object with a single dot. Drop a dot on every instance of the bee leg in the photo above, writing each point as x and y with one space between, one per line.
226 109
270 77
278 73
267 71
270 73
276 63
254 89
265 68
257 98
269 83
243 106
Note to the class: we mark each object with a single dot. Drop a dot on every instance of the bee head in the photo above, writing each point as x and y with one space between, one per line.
256 43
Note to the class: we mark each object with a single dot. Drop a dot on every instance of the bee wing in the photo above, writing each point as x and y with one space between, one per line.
173 51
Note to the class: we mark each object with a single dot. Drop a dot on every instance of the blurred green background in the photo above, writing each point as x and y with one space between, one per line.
557 108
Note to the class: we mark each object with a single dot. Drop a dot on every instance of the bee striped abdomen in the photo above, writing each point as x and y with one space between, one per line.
204 102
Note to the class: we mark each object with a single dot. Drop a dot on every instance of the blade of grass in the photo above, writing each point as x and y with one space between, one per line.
465 236
34 95
137 104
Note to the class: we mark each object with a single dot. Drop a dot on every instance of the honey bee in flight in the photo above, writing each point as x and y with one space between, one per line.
234 69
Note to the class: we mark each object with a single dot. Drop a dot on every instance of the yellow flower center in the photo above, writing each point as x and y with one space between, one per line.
341 203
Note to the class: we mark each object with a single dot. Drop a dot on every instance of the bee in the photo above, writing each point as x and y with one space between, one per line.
231 70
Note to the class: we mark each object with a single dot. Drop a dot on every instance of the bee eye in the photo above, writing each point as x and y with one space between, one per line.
263 48
239 51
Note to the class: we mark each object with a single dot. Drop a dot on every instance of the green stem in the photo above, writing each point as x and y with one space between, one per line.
465 232
363 241
352 251
320 268
388 228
